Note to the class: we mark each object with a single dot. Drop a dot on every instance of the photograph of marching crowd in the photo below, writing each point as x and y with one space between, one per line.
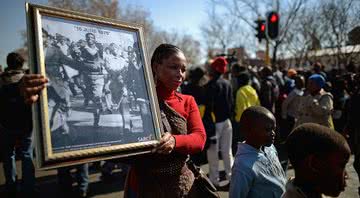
97 92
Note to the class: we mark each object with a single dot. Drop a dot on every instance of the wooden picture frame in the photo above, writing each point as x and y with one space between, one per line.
100 102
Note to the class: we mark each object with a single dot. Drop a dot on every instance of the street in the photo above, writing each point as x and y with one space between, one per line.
46 183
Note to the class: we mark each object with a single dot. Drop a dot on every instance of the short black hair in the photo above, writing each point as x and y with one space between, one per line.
253 114
164 51
196 74
15 60
266 71
243 79
313 139
237 68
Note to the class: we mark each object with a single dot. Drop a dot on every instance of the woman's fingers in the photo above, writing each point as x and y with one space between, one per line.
31 85
32 99
165 137
33 80
164 148
28 77
29 91
166 145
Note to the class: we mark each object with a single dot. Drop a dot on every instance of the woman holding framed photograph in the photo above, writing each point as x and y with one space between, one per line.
164 172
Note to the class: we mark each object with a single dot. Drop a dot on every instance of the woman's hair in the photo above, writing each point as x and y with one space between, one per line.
313 139
163 51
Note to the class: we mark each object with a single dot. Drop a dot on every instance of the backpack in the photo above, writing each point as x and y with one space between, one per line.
14 113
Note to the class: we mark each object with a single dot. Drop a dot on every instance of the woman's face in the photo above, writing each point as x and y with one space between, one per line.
171 71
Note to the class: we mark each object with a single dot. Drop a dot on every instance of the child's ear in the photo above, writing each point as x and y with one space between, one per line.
314 163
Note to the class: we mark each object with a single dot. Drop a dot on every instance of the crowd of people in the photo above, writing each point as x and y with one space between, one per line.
244 112
291 99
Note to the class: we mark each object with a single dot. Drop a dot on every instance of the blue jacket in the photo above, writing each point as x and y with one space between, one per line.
257 173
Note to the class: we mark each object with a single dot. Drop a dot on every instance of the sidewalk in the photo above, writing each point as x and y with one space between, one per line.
46 182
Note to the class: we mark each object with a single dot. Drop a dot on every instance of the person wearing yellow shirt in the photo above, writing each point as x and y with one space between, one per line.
246 97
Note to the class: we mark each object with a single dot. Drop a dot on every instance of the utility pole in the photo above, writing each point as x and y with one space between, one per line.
267 56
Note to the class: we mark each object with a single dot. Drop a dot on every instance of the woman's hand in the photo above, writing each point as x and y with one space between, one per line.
31 85
166 145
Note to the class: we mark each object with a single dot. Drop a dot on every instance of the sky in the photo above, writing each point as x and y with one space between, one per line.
183 16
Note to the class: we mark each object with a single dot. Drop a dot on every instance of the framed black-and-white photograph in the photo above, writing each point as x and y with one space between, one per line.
100 101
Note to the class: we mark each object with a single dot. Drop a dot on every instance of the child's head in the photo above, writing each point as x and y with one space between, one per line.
168 64
258 125
319 155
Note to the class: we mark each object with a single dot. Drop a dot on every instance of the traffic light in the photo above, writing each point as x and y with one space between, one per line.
272 25
260 29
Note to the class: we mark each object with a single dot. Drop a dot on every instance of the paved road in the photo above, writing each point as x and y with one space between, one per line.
46 181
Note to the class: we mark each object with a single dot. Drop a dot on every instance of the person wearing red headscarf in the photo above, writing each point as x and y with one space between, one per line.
220 103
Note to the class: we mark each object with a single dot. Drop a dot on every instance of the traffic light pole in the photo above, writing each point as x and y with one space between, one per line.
267 57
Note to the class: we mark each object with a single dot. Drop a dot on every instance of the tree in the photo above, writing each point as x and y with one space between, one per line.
339 17
189 46
133 14
221 30
324 24
305 34
111 9
246 11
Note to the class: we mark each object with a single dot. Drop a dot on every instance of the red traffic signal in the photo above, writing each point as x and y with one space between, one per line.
274 18
260 29
272 25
